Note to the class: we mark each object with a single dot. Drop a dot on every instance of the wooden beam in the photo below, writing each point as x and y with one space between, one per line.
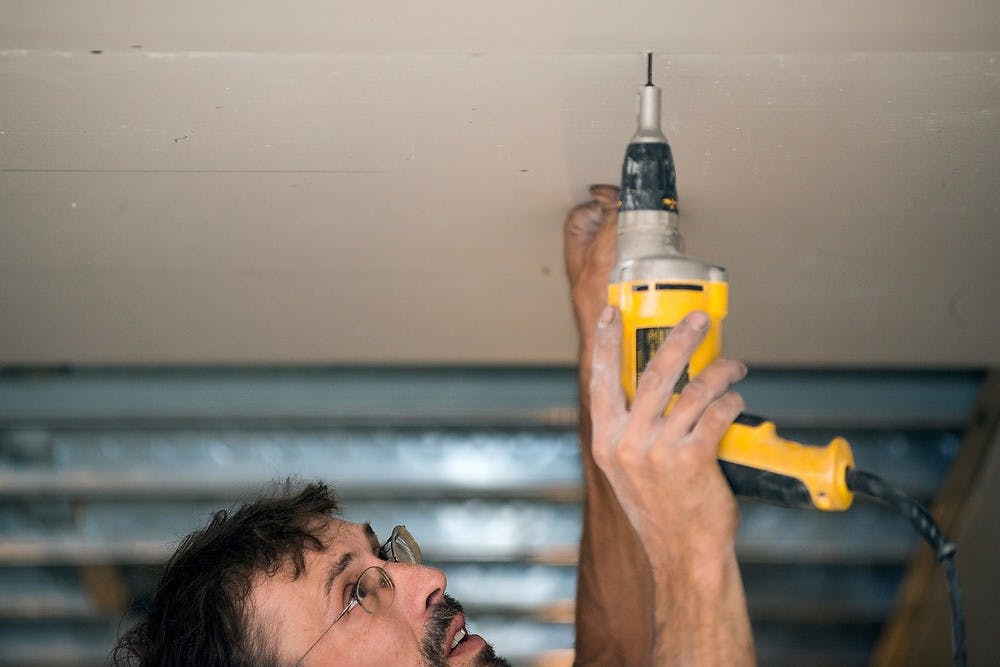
918 632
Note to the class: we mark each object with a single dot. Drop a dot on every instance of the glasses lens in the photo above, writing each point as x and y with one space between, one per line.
375 590
404 547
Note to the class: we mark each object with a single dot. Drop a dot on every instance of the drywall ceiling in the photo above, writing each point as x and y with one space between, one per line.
259 182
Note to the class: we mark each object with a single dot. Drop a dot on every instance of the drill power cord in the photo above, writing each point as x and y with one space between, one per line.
867 484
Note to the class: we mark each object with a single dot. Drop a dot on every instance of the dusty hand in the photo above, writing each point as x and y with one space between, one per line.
664 469
589 252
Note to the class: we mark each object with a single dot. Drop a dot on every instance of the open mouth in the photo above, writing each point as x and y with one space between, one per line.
463 645
456 644
457 640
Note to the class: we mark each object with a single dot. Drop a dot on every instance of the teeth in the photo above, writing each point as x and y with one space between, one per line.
459 636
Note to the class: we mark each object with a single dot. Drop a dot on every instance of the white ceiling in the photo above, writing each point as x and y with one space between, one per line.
260 182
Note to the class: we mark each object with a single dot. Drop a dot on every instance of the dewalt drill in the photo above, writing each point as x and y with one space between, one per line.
654 286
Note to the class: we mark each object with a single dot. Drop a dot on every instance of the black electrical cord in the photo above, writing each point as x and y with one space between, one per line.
869 485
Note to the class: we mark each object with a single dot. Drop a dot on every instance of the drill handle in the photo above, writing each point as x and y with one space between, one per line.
761 465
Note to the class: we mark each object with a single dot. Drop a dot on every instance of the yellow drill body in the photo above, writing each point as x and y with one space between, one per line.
654 286
651 308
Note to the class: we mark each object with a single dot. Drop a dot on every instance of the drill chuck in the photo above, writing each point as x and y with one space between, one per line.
649 182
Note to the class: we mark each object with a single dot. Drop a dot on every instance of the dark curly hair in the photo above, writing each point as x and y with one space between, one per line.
198 613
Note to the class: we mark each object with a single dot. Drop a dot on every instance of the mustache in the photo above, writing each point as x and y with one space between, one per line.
437 626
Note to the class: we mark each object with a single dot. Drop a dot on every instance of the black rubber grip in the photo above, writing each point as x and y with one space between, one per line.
649 181
747 419
766 486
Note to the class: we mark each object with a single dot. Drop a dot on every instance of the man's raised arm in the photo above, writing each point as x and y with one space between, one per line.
614 597
659 582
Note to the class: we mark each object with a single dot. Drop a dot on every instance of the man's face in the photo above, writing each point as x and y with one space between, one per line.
417 629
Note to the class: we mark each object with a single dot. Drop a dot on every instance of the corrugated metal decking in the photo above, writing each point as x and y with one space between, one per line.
110 468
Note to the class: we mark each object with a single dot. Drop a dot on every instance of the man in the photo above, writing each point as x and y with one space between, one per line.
284 581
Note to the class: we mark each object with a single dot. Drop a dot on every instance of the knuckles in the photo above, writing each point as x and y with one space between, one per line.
736 402
605 195
650 380
716 419
583 218
626 456
697 390
726 407
713 381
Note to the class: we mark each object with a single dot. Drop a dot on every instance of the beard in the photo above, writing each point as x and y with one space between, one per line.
437 630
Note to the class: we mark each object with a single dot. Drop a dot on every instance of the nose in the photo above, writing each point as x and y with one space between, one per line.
418 587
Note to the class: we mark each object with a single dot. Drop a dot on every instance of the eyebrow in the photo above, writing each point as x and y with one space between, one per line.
336 570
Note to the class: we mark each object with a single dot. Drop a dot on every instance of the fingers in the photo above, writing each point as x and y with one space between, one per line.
607 397
606 196
585 228
701 394
581 226
656 385
717 418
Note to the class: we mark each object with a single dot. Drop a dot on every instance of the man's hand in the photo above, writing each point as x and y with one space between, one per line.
666 477
654 488
664 468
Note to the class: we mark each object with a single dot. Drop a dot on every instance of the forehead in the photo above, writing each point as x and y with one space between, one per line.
339 539
343 543
340 535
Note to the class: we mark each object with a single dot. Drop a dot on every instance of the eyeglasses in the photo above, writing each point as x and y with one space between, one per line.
374 590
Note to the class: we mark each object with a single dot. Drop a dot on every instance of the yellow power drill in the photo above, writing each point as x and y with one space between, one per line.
655 286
